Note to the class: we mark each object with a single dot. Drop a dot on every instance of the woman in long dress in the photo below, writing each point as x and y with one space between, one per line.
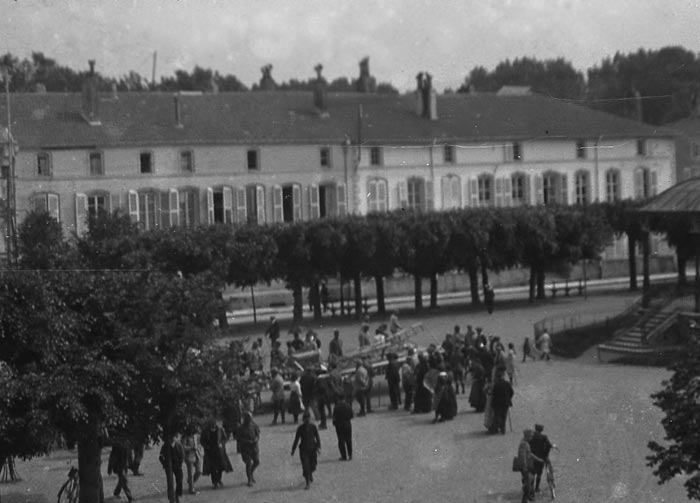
216 461
477 396
296 405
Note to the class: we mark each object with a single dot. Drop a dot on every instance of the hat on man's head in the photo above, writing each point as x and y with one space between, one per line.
306 414
539 428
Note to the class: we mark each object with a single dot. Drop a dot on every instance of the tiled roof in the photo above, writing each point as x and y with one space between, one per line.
690 126
53 120
683 197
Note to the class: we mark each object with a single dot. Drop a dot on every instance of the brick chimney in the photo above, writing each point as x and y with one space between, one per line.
91 97
365 83
320 98
267 83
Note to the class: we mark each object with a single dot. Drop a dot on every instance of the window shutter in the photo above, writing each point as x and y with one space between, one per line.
228 205
446 193
210 205
539 190
507 192
277 212
341 200
402 189
499 191
429 195
174 208
474 192
654 183
260 200
164 216
564 189
372 196
456 192
296 199
54 207
80 214
134 205
115 202
241 212
639 183
382 196
314 210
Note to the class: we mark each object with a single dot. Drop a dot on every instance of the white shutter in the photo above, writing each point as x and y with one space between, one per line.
654 183
115 202
277 211
507 191
402 190
474 192
164 216
241 212
382 196
539 190
80 214
210 205
314 210
296 200
456 190
134 205
174 208
499 191
564 186
260 201
228 205
372 196
446 193
429 195
639 183
341 200
54 207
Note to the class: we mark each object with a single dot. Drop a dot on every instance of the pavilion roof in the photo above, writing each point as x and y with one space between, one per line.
682 198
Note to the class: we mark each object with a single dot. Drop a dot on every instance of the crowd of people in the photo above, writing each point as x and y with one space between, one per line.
420 382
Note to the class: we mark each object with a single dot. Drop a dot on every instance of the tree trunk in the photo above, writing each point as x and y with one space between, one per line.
533 282
433 291
358 296
379 284
298 297
474 285
223 319
540 283
89 467
484 276
316 297
682 258
632 261
417 292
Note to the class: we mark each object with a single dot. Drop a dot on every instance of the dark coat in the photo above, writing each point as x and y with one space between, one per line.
502 394
213 440
342 413
120 458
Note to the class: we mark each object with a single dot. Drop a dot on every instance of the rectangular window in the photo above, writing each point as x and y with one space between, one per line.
375 156
43 164
149 209
512 152
612 186
146 162
187 200
186 162
641 147
580 149
518 189
96 166
485 188
325 157
253 159
449 154
96 204
516 152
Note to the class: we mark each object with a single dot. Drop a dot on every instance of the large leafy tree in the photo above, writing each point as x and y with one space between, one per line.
679 400
325 241
468 244
358 254
386 243
294 262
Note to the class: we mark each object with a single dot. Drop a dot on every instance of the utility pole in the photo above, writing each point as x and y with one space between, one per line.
8 171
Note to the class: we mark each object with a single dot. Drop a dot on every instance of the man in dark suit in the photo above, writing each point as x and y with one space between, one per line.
342 416
501 401
540 446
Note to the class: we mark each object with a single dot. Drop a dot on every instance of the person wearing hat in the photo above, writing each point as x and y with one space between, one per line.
362 388
393 379
540 446
277 389
342 420
247 437
525 461
273 330
309 442
363 337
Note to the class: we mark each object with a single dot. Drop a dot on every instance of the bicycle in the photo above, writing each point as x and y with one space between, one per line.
549 472
70 490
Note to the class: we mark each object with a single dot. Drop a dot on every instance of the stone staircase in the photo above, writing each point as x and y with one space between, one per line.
638 340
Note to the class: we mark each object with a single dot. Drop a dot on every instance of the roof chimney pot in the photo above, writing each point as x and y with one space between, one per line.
320 99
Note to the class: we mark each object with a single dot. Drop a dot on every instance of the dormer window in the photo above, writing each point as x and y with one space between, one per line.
449 154
252 159
186 161
96 165
375 156
580 149
512 152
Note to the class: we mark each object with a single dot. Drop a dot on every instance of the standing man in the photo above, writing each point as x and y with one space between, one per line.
192 457
216 461
408 380
247 437
540 446
363 337
489 296
501 401
277 389
273 330
335 348
361 385
526 462
119 462
177 458
342 416
393 379
394 325
309 442
324 296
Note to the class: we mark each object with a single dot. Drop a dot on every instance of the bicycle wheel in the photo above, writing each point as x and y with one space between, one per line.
550 482
68 492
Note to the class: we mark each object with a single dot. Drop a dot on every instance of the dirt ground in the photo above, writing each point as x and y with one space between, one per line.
599 415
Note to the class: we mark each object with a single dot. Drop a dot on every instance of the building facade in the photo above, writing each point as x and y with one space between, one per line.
189 159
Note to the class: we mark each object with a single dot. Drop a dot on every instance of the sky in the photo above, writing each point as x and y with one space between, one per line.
446 38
